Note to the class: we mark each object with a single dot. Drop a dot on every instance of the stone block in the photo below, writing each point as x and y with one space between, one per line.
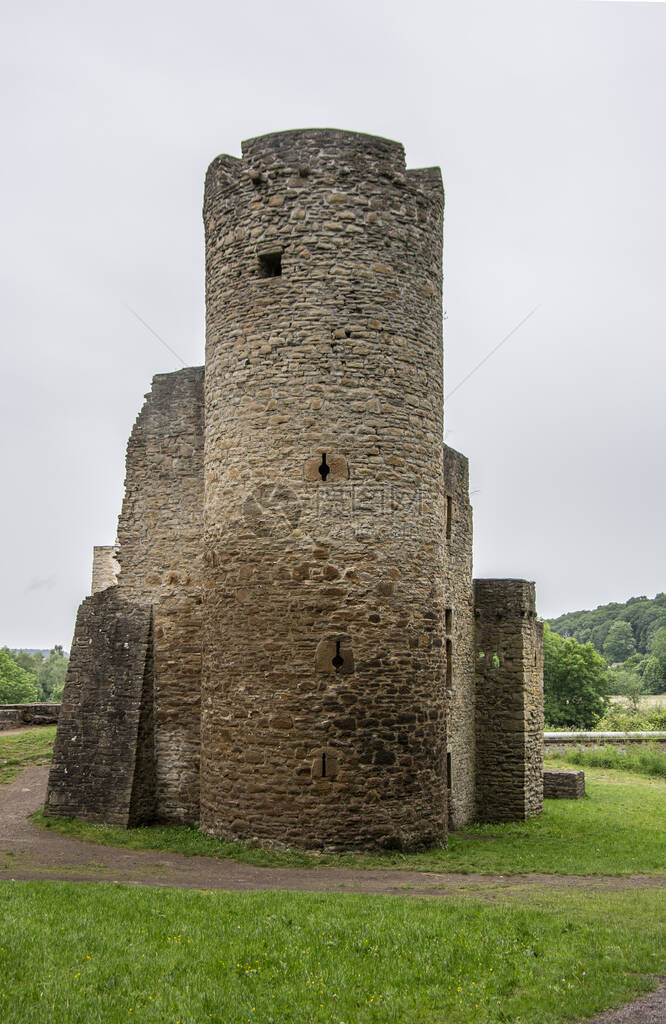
563 784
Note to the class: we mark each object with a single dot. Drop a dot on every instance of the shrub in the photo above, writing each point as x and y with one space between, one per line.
620 719
16 685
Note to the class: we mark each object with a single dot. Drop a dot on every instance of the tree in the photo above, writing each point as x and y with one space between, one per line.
52 672
619 643
629 685
575 682
30 662
644 615
658 648
653 675
16 685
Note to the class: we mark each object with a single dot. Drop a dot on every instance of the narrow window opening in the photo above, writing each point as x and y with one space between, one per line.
324 468
448 770
270 264
323 765
449 516
338 660
448 619
449 664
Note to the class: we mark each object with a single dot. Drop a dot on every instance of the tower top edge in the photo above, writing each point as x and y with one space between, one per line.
334 136
306 149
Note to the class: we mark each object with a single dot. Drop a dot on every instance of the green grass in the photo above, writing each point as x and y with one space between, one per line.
34 746
644 759
618 829
82 954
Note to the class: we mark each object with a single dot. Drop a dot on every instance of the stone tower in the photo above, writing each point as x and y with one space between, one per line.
322 690
294 649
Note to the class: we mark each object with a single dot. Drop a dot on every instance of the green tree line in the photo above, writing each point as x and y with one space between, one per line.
27 676
613 649
618 631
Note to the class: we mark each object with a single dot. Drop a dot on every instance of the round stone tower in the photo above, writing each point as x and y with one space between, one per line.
323 685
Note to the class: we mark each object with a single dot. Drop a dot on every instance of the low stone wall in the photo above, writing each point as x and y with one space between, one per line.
561 784
14 716
558 742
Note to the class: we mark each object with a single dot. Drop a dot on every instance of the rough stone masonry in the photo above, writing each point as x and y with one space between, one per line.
293 651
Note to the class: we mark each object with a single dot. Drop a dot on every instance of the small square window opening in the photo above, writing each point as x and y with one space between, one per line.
270 264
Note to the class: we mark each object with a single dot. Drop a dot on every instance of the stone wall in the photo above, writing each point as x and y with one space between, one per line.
459 640
560 784
14 716
102 767
160 554
509 700
323 716
105 568
557 743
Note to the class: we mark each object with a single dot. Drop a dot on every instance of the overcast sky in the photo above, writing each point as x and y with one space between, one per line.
548 123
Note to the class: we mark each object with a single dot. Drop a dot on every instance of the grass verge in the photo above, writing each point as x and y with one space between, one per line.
34 746
619 829
98 953
643 759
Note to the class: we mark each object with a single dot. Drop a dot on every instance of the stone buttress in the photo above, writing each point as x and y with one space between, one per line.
509 701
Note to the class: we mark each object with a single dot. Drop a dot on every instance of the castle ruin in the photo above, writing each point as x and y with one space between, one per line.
290 648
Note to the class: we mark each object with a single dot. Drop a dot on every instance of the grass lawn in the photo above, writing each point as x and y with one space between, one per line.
34 746
619 829
81 954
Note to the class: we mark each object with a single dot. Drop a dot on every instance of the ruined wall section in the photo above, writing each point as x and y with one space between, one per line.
509 701
102 768
459 640
105 568
324 349
160 554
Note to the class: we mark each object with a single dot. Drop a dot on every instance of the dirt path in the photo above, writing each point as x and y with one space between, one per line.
28 852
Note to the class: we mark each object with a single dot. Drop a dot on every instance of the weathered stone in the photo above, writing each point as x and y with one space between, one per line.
563 784
14 715
105 568
330 590
509 701
103 765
